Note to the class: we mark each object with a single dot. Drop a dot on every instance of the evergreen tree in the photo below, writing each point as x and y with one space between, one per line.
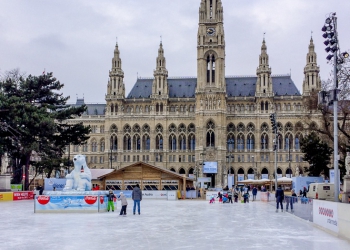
317 153
38 113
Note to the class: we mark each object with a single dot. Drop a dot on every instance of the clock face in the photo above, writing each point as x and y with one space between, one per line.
211 31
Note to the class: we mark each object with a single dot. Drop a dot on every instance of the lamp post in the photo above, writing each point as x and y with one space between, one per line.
275 142
289 160
331 97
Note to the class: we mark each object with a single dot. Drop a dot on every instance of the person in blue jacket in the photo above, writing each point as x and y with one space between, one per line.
279 197
254 193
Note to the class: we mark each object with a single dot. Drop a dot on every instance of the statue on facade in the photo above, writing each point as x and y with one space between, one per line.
347 163
297 172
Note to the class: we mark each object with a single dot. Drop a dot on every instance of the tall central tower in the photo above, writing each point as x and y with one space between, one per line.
211 47
211 87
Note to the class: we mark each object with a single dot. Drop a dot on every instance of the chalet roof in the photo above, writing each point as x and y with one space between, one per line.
147 165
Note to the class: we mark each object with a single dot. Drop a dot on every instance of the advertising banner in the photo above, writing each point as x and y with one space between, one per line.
6 196
127 193
251 176
210 167
50 183
150 194
264 176
16 187
240 177
230 180
66 203
25 195
279 176
325 214
331 176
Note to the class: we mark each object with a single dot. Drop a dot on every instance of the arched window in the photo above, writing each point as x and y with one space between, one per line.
94 146
114 142
210 69
288 142
298 138
264 141
172 142
240 142
280 141
102 145
127 142
172 169
210 134
136 142
250 142
230 142
182 171
159 142
146 142
192 142
182 142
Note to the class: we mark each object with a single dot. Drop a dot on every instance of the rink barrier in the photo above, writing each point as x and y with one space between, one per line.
16 196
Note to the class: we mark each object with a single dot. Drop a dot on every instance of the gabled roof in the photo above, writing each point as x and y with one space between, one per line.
147 165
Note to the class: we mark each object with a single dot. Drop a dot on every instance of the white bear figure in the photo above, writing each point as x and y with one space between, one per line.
80 178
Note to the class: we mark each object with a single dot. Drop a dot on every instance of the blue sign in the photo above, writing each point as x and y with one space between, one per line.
210 167
50 183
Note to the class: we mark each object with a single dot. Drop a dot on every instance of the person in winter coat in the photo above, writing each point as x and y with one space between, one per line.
111 198
124 204
254 193
236 193
137 198
279 197
291 199
220 197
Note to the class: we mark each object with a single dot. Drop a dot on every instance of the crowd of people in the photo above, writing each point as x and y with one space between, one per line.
237 194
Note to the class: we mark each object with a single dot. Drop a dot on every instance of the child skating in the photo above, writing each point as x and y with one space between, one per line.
124 204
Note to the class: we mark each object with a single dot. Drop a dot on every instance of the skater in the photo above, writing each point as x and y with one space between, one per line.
212 199
291 200
236 194
111 198
254 192
220 197
137 198
124 204
229 196
279 197
246 195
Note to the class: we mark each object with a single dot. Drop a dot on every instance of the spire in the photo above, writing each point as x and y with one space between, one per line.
161 63
160 82
263 72
116 88
312 81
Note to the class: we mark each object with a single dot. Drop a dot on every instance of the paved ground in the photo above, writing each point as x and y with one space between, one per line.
164 224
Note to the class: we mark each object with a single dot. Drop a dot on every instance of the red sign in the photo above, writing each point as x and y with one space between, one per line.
89 199
25 195
43 199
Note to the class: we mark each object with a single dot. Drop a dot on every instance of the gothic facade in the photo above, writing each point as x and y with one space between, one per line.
179 123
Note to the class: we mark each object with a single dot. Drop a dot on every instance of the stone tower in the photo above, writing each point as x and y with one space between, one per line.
116 88
263 72
312 81
211 86
160 83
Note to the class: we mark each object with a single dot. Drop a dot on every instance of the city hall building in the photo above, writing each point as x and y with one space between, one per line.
210 125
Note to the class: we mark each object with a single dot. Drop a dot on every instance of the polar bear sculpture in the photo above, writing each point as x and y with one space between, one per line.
80 178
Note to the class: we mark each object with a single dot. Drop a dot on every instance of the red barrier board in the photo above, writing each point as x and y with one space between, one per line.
25 195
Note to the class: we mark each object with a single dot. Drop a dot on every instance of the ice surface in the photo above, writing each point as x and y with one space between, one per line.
189 224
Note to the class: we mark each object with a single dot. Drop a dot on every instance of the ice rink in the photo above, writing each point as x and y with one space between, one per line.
163 224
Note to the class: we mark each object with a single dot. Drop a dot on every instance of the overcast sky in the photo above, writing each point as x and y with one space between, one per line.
75 39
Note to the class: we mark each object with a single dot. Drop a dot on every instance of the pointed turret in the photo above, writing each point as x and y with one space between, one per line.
160 82
263 72
312 81
116 88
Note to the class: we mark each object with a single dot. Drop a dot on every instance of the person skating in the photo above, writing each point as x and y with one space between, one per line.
220 197
229 196
254 193
279 197
124 204
111 198
291 200
236 193
137 198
